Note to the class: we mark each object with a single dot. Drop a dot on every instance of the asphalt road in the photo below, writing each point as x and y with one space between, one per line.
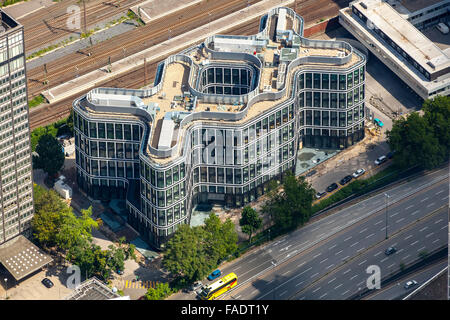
427 234
292 262
396 290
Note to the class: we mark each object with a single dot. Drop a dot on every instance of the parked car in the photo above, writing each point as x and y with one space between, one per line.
378 122
381 160
442 28
390 251
358 173
345 180
215 274
311 173
320 194
332 187
47 282
196 286
391 154
410 284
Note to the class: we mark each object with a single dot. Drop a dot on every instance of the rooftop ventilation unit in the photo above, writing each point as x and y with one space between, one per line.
363 5
431 64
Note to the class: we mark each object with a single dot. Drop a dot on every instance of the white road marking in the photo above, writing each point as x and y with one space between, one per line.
362 262
415 242
315 274
393 215
415 212
410 236
317 289
436 240
331 280
424 228
317 255
407 256
329 266
283 293
335 288
370 235
444 227
384 259
376 254
323 295
344 293
409 207
439 192
421 249
431 204
286 272
348 238
363 230
347 271
323 260
438 221
340 251
354 244
353 277
381 221
299 283
424 199
399 220
332 247
391 265
429 235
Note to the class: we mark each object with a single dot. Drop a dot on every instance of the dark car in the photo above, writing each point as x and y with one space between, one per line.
345 180
215 274
390 251
390 154
47 282
332 187
311 173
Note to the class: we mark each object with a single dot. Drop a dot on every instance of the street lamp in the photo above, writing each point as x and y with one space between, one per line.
386 198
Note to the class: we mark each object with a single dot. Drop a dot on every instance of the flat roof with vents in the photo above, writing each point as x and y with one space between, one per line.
404 35
21 257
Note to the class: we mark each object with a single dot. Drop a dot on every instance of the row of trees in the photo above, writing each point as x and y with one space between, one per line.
55 226
423 140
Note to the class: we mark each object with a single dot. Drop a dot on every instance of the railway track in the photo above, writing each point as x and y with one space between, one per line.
68 67
135 79
51 23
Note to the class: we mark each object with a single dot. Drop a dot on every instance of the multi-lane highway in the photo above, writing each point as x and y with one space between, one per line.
297 264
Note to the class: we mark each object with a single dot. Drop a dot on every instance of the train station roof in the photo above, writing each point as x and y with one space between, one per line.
21 257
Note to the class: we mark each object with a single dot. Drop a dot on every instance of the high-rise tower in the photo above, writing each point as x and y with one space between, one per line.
16 186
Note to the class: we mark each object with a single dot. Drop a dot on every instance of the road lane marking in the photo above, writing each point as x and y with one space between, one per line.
317 289
393 215
323 295
444 227
376 254
331 280
415 212
345 258
335 288
340 251
329 266
438 221
429 235
370 235
436 240
348 238
283 293
415 242
299 283
323 260
399 220
381 221
409 207
424 199
353 277
410 236
363 230
345 292
347 271
362 262
439 192
334 246
424 228
431 204
407 256
315 274
317 255
286 273
360 249
391 265
421 249
384 259
400 250
354 244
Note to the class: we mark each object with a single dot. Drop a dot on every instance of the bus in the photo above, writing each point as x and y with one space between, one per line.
219 287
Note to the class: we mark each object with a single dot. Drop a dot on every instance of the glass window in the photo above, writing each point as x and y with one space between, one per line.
325 81
119 133
334 100
127 131
316 80
342 85
325 100
349 80
110 130
168 177
308 80
101 130
93 129
333 82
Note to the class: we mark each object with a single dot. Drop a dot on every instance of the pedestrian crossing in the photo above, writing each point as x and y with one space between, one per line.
130 284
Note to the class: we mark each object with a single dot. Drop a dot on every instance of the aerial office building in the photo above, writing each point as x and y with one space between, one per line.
16 187
222 119
392 36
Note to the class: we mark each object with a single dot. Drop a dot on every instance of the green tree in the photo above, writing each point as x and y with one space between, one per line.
292 206
185 253
51 156
161 291
250 221
221 238
414 143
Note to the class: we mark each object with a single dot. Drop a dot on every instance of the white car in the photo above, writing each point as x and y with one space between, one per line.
358 173
381 160
197 287
442 28
410 284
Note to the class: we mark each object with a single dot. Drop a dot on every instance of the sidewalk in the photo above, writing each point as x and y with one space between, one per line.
171 46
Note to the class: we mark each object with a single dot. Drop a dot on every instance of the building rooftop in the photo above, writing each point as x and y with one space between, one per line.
7 22
415 5
179 97
93 289
21 257
427 54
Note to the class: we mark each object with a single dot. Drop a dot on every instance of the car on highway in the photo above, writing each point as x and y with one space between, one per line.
320 194
345 180
390 251
332 187
381 160
410 284
47 282
358 173
215 274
